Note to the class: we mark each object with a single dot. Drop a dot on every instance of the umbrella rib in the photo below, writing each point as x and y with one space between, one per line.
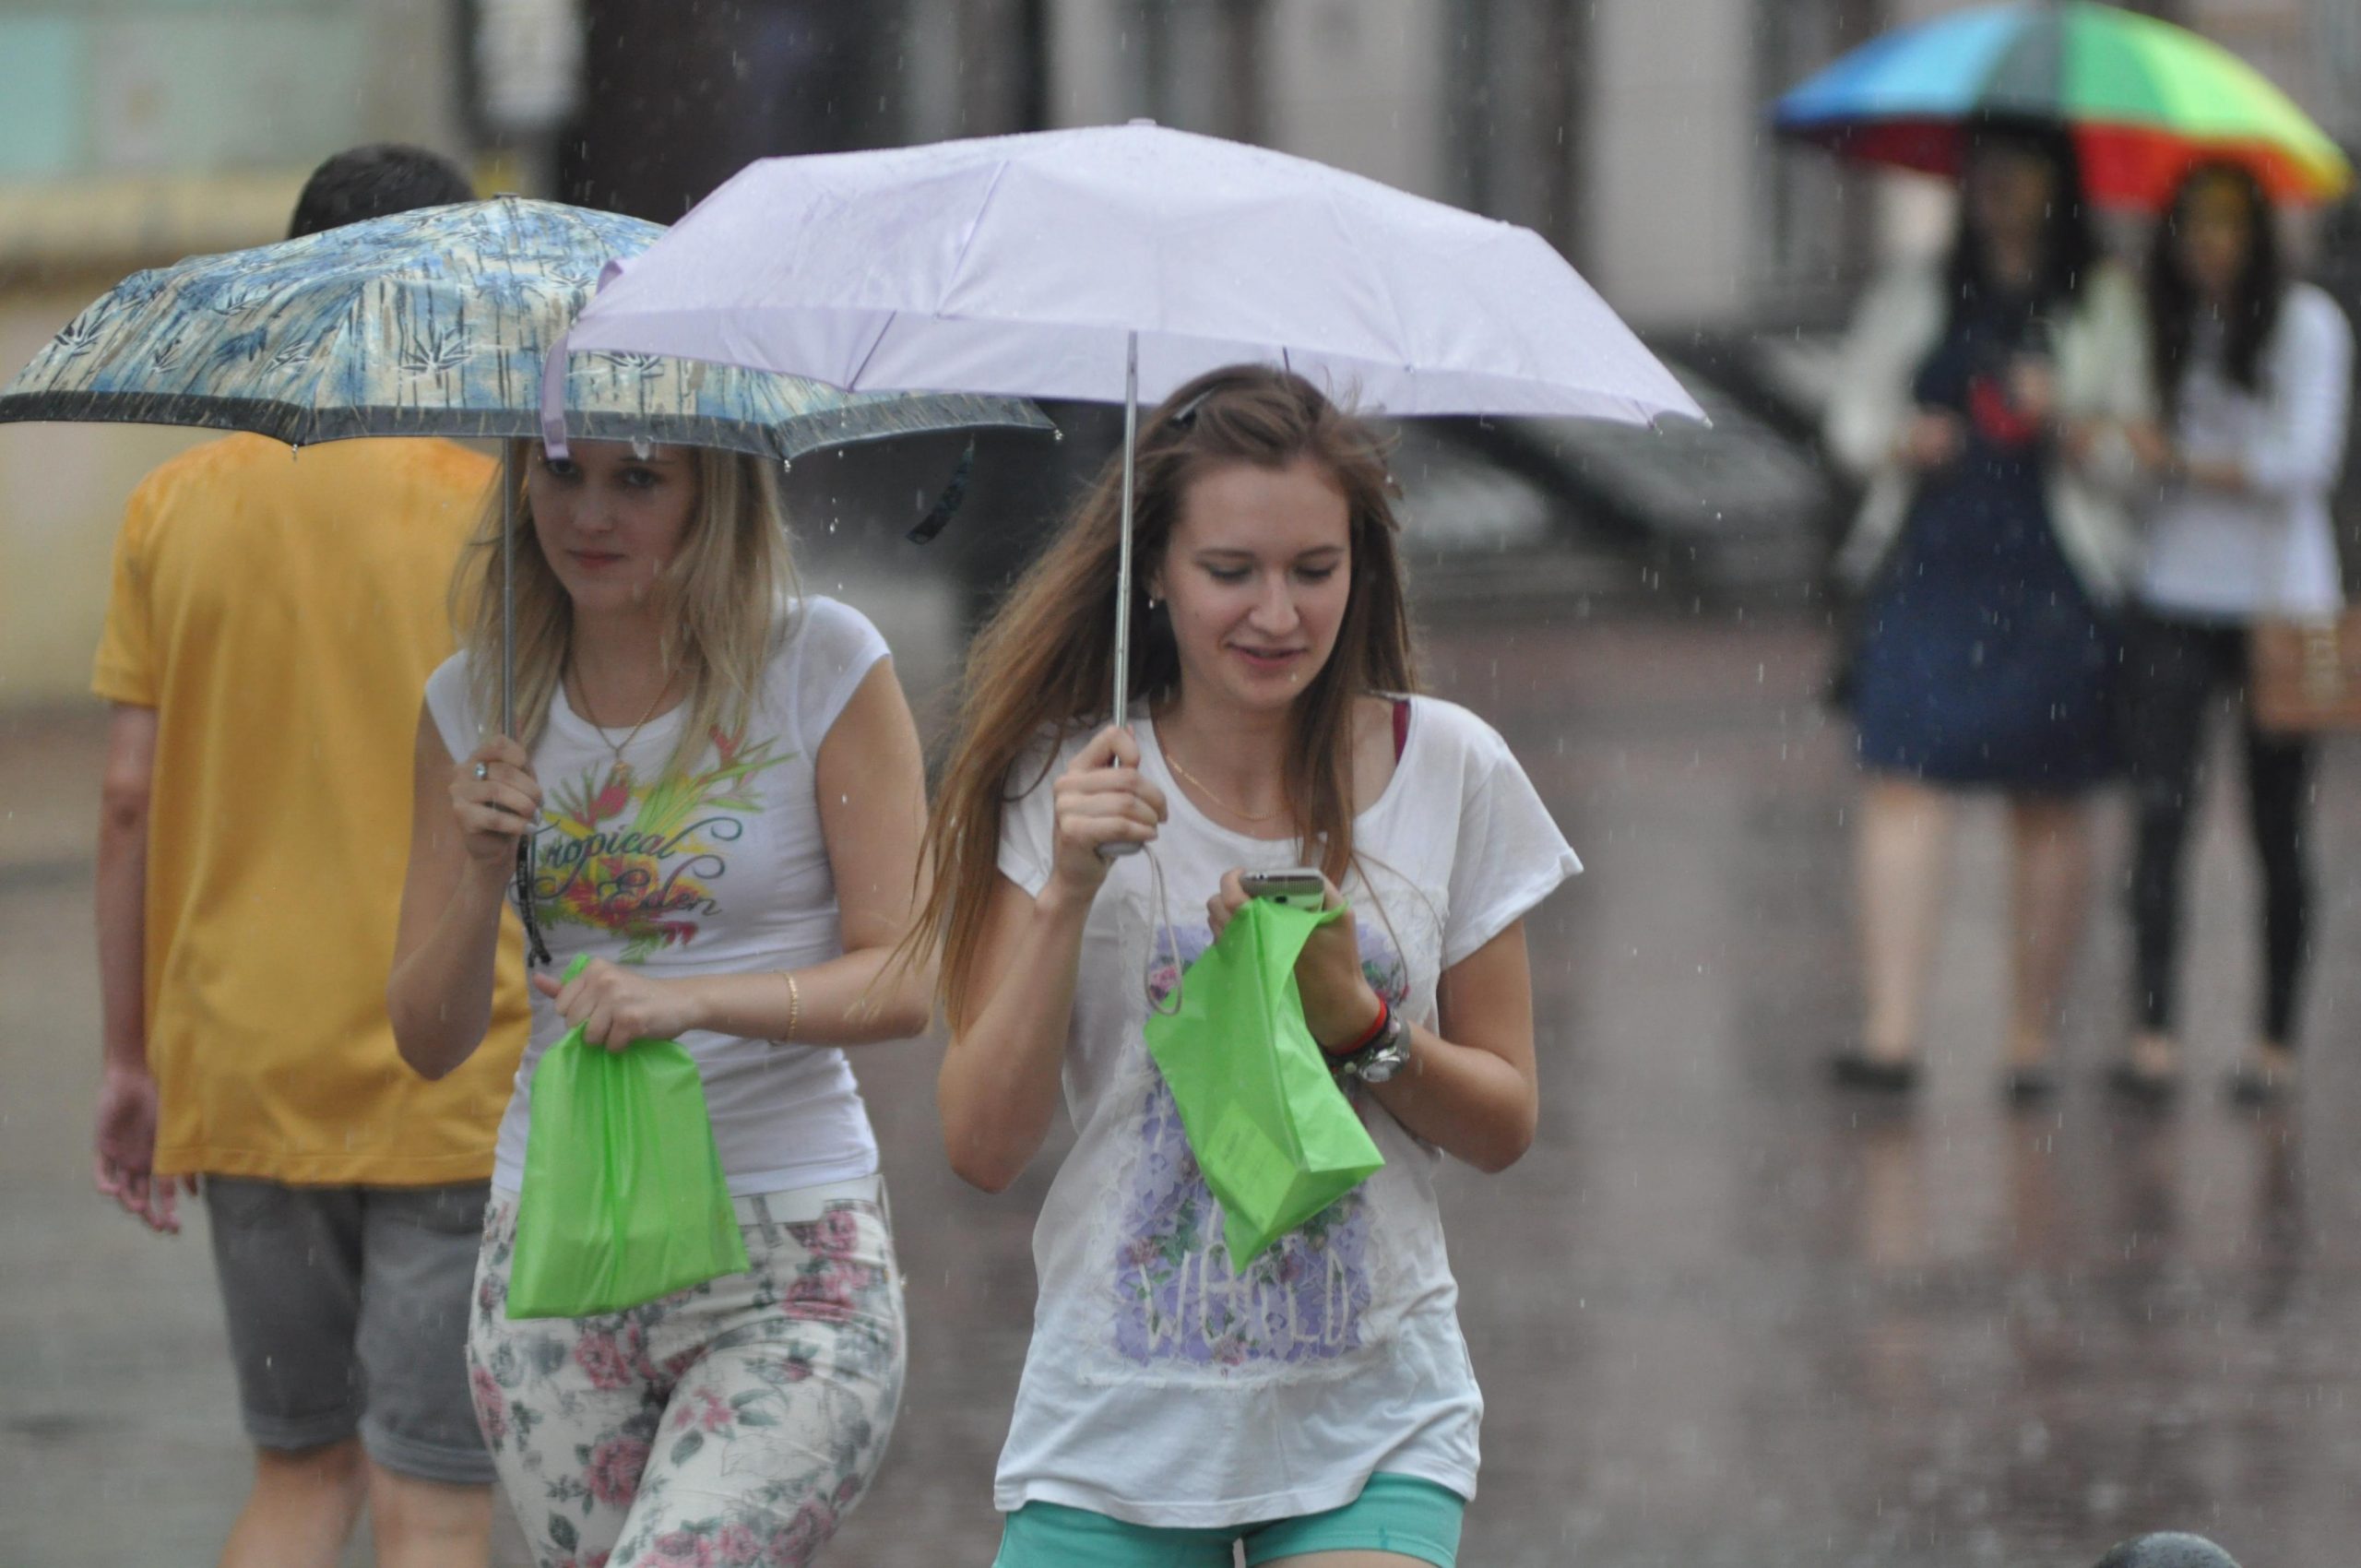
967 240
853 383
958 264
1385 283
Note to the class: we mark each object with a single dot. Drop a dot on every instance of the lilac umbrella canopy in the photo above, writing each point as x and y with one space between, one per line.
1025 265
1114 262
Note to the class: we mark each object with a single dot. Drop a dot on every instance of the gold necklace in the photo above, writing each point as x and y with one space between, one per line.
621 773
1201 789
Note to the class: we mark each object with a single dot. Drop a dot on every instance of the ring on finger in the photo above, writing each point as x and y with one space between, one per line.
483 771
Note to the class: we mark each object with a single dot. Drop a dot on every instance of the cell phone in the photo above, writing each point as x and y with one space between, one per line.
1299 888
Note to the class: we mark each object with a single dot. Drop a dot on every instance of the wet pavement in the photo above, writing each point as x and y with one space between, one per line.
1722 1316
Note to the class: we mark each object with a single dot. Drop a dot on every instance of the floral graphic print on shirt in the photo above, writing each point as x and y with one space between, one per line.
1179 1301
641 861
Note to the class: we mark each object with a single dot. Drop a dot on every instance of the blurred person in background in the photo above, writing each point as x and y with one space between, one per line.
2253 378
271 622
1987 405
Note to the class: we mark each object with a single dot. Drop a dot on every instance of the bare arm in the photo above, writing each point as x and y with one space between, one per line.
998 1090
462 848
125 792
1474 1094
999 1084
123 1135
1469 1089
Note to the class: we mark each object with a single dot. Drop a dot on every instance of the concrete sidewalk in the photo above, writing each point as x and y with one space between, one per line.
1721 1316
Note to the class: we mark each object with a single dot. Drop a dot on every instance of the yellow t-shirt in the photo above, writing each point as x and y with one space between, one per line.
281 612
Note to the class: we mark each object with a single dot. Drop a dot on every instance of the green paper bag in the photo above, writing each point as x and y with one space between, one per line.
1275 1137
624 1197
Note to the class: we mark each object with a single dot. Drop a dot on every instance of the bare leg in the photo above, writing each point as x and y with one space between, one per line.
2274 1061
421 1524
2051 898
301 1510
2267 1072
2154 1057
1903 850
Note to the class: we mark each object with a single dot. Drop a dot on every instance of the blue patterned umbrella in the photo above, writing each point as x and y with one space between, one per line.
435 322
431 322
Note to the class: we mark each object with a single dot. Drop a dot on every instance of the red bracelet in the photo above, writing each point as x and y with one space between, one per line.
1385 1012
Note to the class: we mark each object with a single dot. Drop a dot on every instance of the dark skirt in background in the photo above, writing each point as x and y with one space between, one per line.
1980 662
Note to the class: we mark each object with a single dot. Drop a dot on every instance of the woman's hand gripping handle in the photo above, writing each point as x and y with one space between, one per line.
1106 808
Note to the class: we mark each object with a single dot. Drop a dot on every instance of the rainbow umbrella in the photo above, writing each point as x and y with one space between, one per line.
2144 98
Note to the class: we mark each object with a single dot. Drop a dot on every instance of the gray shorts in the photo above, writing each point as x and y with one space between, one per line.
348 1312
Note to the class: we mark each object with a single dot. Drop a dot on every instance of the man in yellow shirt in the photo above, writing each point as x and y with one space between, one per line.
274 617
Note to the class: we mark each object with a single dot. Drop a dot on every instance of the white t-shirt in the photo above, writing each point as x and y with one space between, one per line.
2271 550
1159 1389
724 872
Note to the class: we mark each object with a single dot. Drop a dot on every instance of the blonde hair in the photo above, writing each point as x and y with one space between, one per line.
1045 662
721 599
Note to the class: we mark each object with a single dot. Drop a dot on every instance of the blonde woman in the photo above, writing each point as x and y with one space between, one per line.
724 791
1320 1400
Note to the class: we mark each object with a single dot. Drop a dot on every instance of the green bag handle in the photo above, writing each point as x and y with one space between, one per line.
574 968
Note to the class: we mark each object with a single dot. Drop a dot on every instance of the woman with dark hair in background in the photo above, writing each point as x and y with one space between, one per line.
2252 374
1984 406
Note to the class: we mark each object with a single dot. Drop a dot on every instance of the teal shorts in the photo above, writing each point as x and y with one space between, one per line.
1398 1513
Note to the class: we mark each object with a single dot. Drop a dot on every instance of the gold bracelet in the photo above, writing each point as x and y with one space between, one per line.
794 1006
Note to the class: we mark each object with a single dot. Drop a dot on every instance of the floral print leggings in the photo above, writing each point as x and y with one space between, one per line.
730 1425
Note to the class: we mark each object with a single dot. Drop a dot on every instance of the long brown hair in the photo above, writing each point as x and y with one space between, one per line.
2173 304
1043 666
720 599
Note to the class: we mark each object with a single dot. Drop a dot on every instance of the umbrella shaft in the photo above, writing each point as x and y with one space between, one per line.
1123 560
1124 548
507 590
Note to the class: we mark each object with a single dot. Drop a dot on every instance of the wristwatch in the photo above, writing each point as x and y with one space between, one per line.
1381 1057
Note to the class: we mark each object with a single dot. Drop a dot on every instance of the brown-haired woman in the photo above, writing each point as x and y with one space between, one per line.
1321 1400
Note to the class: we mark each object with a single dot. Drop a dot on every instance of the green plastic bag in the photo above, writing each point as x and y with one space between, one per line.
624 1198
1275 1137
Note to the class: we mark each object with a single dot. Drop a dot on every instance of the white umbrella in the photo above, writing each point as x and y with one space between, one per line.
1114 262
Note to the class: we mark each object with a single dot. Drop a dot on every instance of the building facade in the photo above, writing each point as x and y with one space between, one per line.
1629 132
133 132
